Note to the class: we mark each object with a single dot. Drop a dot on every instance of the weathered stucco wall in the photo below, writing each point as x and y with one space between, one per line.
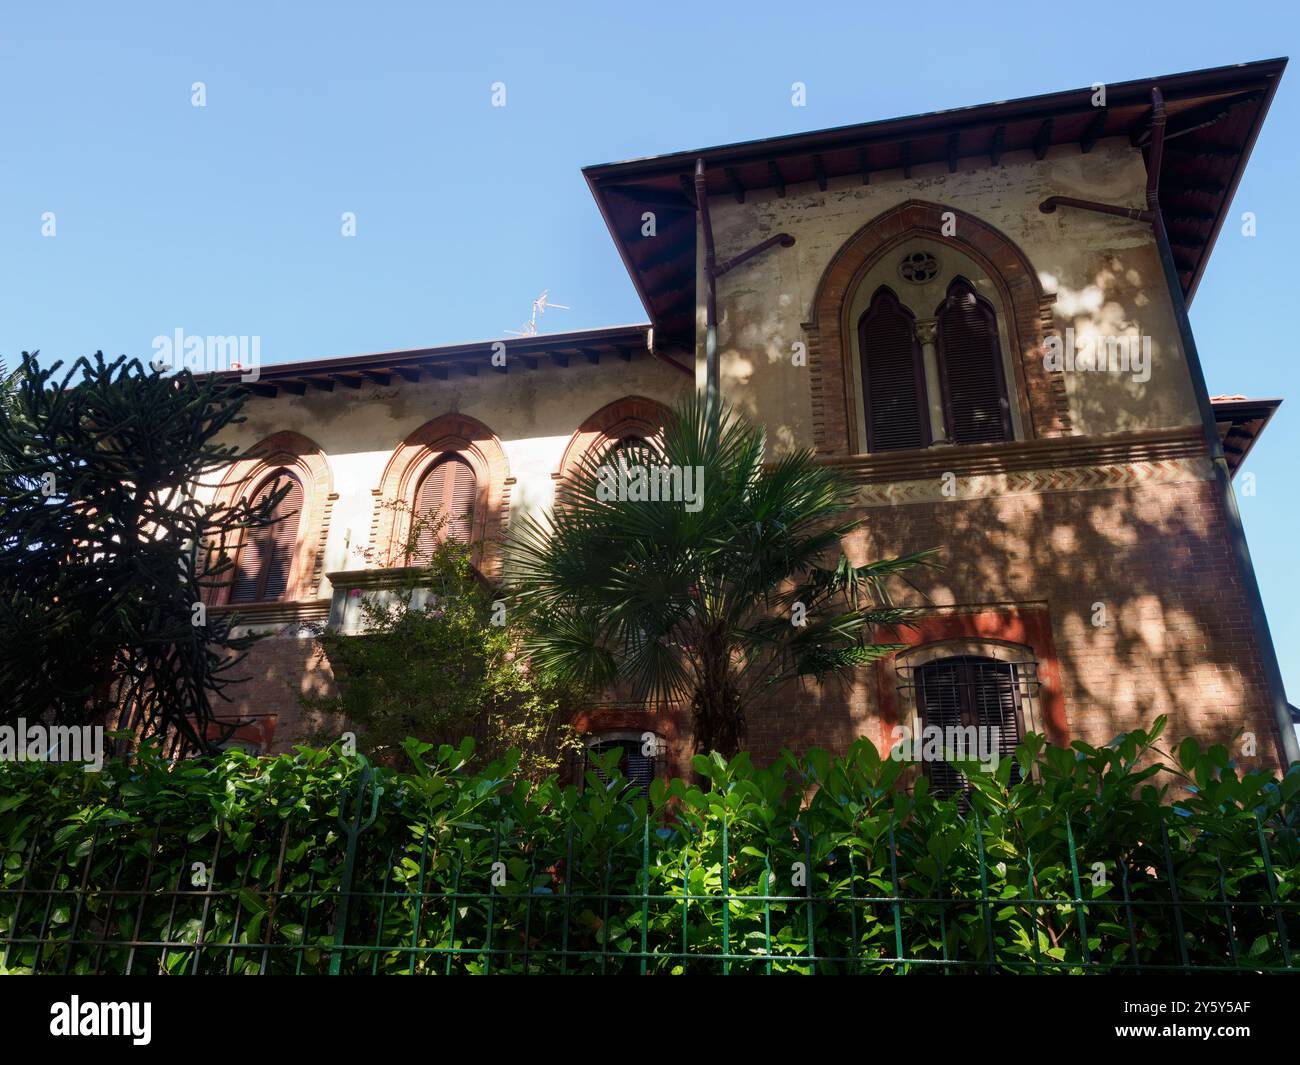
533 413
1104 271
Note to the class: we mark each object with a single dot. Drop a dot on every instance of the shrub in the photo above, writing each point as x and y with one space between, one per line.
813 864
437 660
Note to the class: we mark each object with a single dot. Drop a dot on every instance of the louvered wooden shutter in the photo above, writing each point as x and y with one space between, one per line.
893 377
970 367
266 557
629 445
638 769
428 509
448 490
940 699
627 453
996 695
969 691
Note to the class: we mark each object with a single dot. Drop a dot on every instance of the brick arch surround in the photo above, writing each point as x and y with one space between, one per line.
1041 392
629 416
416 455
304 458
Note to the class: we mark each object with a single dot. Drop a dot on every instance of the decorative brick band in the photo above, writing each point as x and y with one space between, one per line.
1113 449
303 458
1035 482
1039 392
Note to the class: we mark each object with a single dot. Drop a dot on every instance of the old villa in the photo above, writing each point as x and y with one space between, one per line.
890 295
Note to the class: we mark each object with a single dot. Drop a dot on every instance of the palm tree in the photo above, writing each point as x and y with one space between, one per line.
713 601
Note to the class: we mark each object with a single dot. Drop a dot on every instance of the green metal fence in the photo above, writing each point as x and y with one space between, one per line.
639 893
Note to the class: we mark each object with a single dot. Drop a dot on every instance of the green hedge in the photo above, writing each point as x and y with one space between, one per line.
1102 860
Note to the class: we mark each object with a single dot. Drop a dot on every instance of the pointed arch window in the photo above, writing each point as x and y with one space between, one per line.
975 405
444 504
893 376
265 558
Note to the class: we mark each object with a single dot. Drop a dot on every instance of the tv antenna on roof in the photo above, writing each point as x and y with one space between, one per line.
539 308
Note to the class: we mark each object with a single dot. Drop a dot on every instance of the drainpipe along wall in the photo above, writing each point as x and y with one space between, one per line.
712 271
712 388
1285 736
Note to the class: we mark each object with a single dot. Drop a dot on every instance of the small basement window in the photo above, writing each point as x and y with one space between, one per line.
637 767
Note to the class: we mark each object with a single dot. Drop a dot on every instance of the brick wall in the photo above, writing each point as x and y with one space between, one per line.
279 670
1176 639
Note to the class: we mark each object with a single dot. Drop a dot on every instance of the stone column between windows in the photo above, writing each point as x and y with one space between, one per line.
927 331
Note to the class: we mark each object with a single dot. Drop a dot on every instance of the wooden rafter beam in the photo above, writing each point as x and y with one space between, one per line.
1194 151
669 253
1043 140
688 189
1198 117
682 295
778 179
661 198
1092 133
995 149
737 189
1178 187
1141 129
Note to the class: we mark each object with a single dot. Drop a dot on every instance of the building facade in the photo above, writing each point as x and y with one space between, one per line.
979 315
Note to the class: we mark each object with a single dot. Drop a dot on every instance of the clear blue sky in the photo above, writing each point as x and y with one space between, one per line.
225 220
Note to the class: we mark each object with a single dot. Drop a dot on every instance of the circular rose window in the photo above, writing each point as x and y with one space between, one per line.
919 267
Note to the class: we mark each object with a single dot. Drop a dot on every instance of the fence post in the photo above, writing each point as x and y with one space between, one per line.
1080 906
1284 942
352 829
645 889
898 909
726 902
1173 895
984 895
808 894
492 891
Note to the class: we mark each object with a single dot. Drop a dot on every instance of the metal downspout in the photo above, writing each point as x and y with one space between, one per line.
1285 738
712 271
712 388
